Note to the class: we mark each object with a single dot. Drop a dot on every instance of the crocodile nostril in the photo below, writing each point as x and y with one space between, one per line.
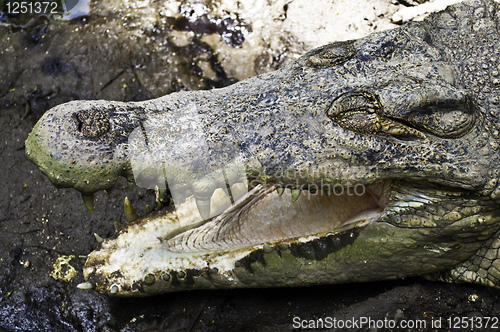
92 123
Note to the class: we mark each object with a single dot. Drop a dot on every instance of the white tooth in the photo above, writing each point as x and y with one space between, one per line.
85 285
178 195
203 206
280 190
157 194
114 289
98 238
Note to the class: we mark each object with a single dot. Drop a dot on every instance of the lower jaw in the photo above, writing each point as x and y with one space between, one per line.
120 269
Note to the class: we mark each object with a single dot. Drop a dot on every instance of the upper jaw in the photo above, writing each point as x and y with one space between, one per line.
87 164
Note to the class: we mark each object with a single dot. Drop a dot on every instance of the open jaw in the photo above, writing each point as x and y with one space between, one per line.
179 250
270 238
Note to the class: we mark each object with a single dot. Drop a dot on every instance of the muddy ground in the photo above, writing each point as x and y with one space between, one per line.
51 62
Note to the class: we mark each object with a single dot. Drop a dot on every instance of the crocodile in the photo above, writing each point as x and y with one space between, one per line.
362 160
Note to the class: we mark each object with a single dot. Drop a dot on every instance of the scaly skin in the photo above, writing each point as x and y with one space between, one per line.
404 121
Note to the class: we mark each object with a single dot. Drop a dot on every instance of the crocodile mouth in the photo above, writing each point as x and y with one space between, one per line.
175 250
266 215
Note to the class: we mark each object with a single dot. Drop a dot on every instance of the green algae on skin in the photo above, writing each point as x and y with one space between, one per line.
72 160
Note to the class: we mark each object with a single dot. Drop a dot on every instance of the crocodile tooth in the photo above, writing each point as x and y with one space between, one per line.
178 195
108 191
157 194
98 238
88 200
266 248
203 206
296 194
131 186
130 213
85 285
280 190
148 208
114 289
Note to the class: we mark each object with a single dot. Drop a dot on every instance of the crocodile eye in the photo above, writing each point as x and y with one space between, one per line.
361 111
356 111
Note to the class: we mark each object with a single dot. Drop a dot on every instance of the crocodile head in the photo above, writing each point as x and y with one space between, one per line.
362 160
